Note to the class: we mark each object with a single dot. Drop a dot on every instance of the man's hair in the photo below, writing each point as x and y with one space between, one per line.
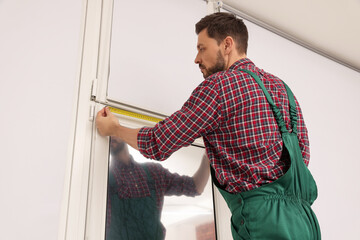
220 25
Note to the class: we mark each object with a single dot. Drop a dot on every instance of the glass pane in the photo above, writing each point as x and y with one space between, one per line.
149 199
153 48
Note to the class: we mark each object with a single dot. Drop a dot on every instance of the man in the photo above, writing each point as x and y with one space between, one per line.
254 133
136 194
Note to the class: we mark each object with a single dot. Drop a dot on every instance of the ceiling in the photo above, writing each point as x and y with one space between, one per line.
329 27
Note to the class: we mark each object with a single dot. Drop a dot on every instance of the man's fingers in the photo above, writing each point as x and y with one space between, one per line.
103 112
107 111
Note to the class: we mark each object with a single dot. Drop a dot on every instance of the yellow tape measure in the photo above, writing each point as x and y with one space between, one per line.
134 115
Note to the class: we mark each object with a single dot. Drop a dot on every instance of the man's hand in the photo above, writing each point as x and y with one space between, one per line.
106 123
202 174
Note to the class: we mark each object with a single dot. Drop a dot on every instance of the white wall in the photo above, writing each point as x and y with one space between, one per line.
39 59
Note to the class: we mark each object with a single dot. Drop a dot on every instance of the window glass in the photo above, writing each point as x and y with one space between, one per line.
147 199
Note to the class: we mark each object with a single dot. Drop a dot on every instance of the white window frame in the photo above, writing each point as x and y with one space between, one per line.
81 164
76 186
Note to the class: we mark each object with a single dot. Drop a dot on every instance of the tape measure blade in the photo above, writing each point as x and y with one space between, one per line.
134 115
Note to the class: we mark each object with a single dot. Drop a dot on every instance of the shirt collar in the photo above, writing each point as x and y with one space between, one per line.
241 63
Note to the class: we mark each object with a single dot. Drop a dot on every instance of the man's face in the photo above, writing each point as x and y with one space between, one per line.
209 57
116 146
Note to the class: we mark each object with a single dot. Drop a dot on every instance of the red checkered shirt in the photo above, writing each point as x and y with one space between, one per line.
130 181
230 111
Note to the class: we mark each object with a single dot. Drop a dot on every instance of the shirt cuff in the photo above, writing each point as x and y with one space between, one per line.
143 139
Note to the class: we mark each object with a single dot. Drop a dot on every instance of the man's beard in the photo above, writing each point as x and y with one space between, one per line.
218 67
115 150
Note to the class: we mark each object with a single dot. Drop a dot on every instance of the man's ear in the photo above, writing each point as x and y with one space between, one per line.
228 44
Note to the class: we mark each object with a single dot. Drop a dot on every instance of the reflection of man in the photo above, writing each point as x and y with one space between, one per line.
136 194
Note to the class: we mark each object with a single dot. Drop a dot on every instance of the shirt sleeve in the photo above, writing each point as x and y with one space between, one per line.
198 116
175 184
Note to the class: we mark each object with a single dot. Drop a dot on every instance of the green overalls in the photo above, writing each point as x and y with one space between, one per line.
281 209
134 218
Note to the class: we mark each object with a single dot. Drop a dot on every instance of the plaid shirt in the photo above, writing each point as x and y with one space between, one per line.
230 111
130 181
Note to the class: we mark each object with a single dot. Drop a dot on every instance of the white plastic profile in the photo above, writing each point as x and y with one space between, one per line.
213 6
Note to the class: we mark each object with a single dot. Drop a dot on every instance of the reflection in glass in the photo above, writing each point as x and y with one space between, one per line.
136 190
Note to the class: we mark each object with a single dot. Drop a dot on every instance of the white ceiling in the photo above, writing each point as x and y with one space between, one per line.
329 27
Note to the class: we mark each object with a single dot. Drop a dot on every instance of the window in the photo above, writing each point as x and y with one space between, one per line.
141 192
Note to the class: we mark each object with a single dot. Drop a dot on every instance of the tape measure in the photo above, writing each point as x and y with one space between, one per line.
135 115
198 142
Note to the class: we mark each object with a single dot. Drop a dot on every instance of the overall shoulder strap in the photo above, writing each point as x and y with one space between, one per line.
275 109
149 178
293 111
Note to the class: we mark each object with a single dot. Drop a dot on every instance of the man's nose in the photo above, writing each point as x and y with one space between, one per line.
197 59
